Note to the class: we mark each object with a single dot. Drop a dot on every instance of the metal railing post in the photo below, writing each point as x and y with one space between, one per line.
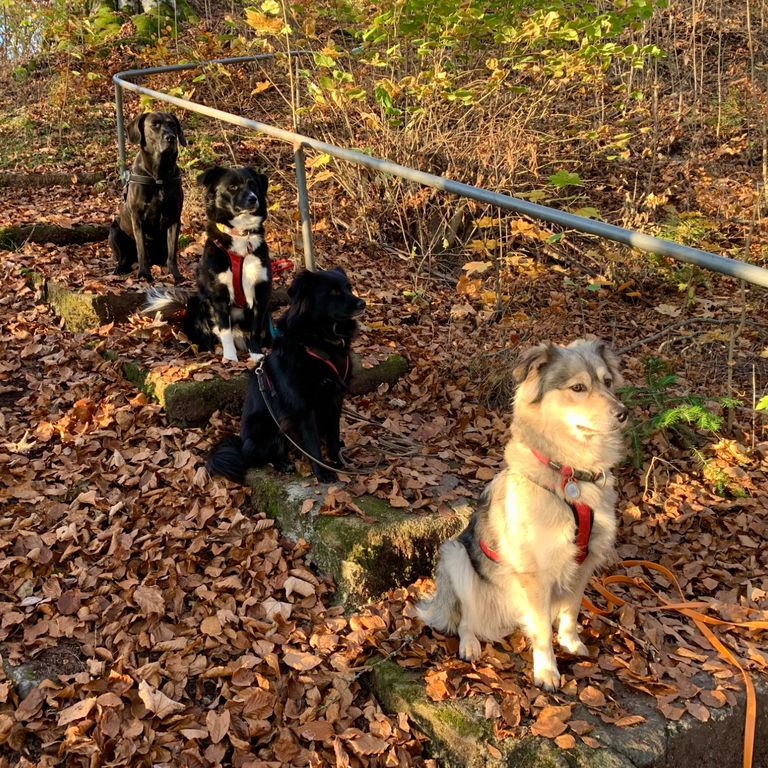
120 130
304 214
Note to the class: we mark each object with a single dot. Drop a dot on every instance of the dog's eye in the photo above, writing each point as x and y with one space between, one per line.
578 388
233 187
608 381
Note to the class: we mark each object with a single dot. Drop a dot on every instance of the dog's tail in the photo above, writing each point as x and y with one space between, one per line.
442 610
227 460
171 303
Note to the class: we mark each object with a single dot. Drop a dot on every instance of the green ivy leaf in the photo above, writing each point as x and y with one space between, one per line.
565 179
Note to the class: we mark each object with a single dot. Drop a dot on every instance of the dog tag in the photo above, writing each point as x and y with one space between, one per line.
571 490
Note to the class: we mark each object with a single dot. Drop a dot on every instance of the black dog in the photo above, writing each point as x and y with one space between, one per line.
234 276
147 228
301 382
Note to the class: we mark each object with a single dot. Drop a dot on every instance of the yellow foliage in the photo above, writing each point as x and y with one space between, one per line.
263 24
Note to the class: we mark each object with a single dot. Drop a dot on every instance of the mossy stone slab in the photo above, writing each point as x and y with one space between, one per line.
366 557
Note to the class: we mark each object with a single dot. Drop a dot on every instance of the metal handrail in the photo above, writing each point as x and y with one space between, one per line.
751 273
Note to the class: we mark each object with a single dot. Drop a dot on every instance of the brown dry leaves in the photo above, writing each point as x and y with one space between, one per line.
202 638
197 636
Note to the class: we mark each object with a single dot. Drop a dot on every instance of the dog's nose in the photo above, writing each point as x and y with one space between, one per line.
170 138
622 413
361 304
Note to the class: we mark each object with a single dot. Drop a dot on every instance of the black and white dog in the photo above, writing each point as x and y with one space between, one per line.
299 387
234 276
147 227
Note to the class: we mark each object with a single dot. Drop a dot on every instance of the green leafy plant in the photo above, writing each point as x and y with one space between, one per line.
684 419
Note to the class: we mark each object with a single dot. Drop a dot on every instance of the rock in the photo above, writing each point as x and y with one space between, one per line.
364 558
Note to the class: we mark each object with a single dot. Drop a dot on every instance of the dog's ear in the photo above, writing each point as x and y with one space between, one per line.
262 182
532 361
340 270
135 129
300 295
211 177
179 132
611 361
528 372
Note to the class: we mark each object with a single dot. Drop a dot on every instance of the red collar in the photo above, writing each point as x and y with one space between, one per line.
323 357
570 473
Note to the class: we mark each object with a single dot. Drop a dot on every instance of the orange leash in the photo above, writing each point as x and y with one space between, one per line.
690 609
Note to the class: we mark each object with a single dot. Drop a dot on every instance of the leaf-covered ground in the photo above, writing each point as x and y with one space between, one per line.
179 628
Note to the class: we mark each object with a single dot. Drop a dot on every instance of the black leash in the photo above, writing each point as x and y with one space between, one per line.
265 393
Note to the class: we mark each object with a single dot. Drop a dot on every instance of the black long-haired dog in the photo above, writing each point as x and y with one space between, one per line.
300 385
234 276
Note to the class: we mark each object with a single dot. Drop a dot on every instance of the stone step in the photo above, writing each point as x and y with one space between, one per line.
461 735
365 557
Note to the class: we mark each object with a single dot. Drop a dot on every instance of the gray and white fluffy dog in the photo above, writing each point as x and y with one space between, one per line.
547 520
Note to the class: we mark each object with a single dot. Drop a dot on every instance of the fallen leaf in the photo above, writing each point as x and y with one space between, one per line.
211 625
149 599
301 660
551 721
368 745
217 724
77 711
316 730
157 702
592 696
629 720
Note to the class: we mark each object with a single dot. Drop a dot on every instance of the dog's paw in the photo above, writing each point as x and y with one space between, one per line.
336 462
325 475
229 355
469 647
547 681
146 275
573 645
545 672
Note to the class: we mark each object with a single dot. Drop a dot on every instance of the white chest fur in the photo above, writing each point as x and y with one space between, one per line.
246 222
254 272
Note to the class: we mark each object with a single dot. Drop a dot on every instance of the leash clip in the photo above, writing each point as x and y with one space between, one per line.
259 372
601 478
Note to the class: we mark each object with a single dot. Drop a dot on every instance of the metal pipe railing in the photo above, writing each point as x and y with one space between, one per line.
751 273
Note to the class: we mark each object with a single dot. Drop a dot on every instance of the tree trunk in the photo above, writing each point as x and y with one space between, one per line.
14 237
51 179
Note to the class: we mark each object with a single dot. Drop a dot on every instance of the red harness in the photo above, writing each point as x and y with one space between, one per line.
236 265
583 514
